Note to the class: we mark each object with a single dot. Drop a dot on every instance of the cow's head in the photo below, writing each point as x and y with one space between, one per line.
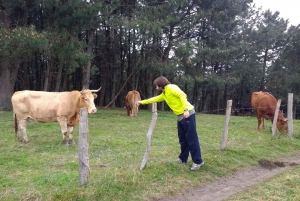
87 100
282 125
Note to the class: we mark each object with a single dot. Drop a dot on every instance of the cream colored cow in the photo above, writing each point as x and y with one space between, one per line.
42 106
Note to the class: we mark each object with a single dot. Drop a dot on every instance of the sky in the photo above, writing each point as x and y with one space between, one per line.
289 9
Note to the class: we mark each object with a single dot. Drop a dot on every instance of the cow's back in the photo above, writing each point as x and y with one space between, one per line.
132 97
263 101
42 106
136 96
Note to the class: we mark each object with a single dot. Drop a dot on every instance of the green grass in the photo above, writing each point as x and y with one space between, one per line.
285 186
47 170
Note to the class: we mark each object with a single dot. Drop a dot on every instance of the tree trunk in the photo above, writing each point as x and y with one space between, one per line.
104 85
87 68
26 76
14 74
263 79
46 83
106 69
6 90
150 88
8 79
65 82
58 77
113 91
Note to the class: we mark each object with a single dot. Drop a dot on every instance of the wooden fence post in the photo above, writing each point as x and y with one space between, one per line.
149 134
275 118
226 125
290 115
83 148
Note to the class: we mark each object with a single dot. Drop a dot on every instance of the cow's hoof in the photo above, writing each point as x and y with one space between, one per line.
65 142
71 142
20 139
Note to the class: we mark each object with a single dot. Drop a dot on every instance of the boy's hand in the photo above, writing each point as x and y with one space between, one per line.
137 103
186 114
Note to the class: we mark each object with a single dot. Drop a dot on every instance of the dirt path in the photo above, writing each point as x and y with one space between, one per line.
228 186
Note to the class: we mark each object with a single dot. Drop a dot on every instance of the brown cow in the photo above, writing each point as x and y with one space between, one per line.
42 106
131 98
264 105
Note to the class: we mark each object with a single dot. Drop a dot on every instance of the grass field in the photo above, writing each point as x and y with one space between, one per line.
47 170
285 186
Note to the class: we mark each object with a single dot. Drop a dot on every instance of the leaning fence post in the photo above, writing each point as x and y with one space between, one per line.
226 125
275 118
149 134
290 115
83 148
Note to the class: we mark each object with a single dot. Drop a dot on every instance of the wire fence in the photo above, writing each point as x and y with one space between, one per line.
246 111
238 111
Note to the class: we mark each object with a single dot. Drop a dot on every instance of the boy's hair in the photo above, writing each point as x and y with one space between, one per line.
161 81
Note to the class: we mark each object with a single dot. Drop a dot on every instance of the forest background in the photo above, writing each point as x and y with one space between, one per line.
215 50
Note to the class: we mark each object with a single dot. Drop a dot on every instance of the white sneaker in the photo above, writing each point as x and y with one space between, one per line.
196 167
178 160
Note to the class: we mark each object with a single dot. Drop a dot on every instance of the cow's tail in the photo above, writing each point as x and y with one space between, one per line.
16 123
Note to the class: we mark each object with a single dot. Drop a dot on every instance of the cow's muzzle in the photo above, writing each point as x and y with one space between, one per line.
93 111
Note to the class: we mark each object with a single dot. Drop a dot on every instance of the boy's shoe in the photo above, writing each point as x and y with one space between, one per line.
178 160
196 167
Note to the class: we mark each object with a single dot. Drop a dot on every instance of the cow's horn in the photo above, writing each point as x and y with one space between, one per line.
96 90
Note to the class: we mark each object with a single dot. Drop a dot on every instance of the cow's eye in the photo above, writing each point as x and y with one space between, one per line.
86 99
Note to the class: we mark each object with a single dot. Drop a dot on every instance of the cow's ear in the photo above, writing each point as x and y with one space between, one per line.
283 120
95 96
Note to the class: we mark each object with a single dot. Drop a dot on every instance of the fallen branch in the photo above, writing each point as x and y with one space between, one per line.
119 91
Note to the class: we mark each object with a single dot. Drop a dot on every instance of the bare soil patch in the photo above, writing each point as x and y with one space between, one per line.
225 187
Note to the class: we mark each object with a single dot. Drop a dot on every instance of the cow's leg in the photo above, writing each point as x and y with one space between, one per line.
64 130
70 133
134 111
258 123
128 109
21 133
259 119
64 135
